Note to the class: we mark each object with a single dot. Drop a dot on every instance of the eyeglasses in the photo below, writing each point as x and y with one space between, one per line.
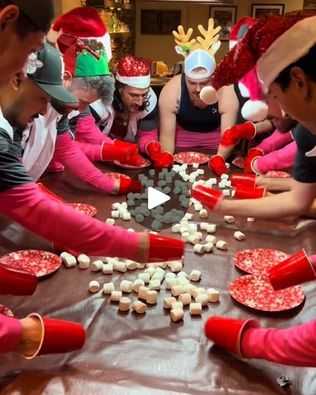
135 96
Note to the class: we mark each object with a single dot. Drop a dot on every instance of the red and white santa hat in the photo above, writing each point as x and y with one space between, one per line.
239 29
271 44
134 71
81 22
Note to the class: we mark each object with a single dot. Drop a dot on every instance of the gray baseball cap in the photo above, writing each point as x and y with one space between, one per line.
45 68
39 12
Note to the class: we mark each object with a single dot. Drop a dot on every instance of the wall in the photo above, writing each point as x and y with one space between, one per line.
162 47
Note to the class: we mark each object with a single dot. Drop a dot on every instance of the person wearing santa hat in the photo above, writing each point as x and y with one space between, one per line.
185 120
133 113
284 49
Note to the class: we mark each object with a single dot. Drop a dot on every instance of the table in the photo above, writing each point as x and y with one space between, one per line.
149 355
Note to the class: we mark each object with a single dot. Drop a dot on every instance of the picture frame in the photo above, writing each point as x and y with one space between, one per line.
159 22
262 10
224 16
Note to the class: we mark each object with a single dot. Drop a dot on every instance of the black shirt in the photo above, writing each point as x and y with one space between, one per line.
304 167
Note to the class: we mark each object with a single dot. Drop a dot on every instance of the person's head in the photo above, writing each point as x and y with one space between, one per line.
23 25
132 84
199 65
90 89
22 100
280 120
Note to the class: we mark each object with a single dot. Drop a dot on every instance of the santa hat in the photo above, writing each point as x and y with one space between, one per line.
239 30
134 71
81 22
272 44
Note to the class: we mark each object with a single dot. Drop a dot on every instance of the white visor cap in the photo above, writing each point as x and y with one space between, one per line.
199 58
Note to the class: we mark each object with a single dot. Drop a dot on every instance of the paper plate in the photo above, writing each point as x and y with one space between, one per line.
143 163
191 157
39 263
6 311
258 260
84 208
278 174
256 292
239 162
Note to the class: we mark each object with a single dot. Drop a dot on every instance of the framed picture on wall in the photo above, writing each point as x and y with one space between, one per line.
159 21
224 16
262 10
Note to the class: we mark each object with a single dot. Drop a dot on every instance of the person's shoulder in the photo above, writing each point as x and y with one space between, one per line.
171 91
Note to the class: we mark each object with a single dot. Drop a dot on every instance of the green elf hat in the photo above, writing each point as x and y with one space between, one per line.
86 58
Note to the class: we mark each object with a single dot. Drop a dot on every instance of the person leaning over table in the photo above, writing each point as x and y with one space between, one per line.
185 120
23 201
23 27
286 61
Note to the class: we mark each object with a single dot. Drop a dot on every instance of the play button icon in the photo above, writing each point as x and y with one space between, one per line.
156 198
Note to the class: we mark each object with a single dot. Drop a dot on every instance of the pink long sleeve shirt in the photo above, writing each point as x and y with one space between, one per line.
10 333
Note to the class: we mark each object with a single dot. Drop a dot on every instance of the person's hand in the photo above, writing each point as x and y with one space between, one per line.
127 184
236 133
119 150
217 164
31 336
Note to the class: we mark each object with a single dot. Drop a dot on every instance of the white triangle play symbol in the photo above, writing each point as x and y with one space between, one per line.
155 198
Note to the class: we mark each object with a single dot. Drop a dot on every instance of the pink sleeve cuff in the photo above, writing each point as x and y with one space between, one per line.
10 333
278 160
275 141
291 346
144 138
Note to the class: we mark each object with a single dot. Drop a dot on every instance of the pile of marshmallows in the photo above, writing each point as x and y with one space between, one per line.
147 285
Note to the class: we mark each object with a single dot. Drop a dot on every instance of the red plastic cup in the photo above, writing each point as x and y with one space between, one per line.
208 196
154 149
14 282
217 164
129 185
165 159
247 180
296 269
227 332
162 248
242 192
58 336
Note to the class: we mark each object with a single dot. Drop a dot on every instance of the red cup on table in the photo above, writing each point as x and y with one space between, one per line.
296 269
162 248
15 282
217 164
58 336
227 332
208 196
243 192
244 180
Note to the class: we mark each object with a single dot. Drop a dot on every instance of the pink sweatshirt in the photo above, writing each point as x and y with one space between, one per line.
10 333
61 224
279 149
70 155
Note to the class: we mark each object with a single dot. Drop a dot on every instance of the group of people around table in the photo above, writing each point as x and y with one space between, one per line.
62 108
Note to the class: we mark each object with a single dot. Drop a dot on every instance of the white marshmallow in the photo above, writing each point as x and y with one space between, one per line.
131 265
176 315
185 299
68 259
152 297
203 213
195 275
124 303
96 266
139 307
167 302
108 288
239 235
176 266
142 293
126 216
176 228
154 284
224 176
211 228
195 308
94 286
226 192
213 295
126 286
210 239
251 219
198 248
115 214
177 290
83 261
120 266
107 268
145 277
202 298
115 296
221 245
229 219
204 225
137 284
110 221
131 230
208 247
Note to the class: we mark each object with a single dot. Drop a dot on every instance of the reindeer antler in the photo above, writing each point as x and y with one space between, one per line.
210 42
182 39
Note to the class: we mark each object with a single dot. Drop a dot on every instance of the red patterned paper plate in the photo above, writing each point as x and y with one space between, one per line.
278 174
191 157
39 263
258 260
256 292
144 163
239 162
6 311
84 208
